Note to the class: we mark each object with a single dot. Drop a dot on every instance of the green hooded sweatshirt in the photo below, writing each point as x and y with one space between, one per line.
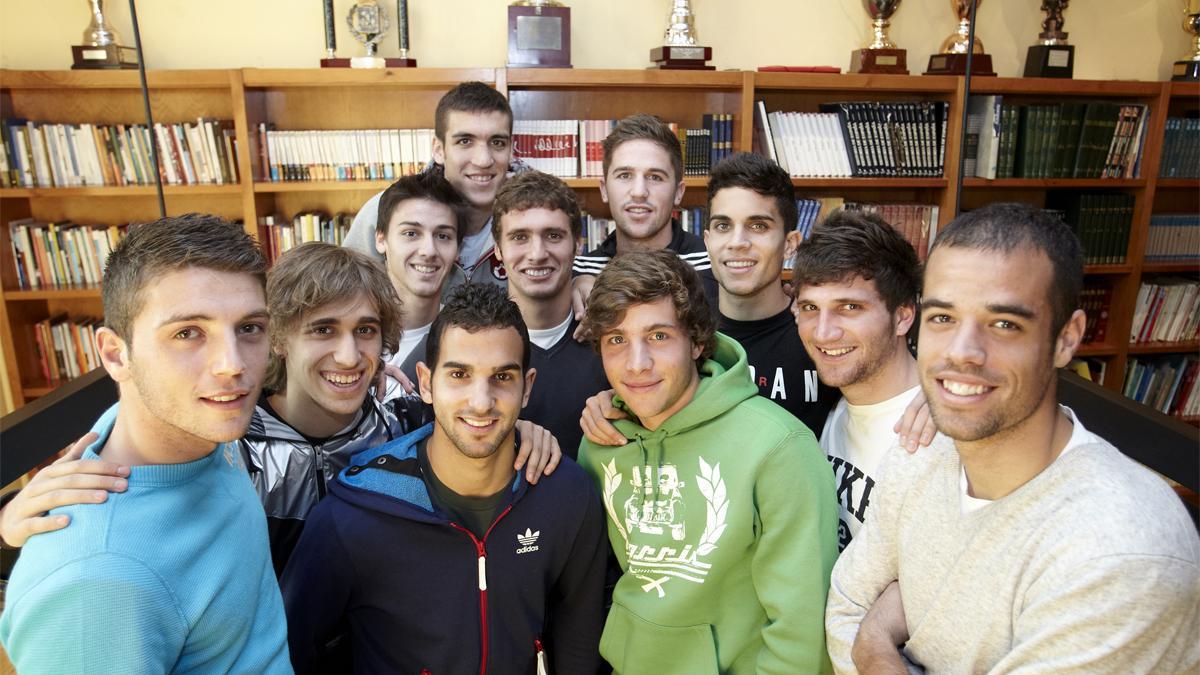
724 522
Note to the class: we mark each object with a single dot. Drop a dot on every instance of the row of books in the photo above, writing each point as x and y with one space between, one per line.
1168 384
574 148
1168 311
341 155
41 154
1089 369
1181 148
1173 237
1095 303
856 139
277 234
1103 222
66 347
1099 139
61 253
917 222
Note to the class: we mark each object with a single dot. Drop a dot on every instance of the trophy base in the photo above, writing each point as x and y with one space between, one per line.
894 61
956 64
1050 61
335 63
104 57
1185 71
670 57
670 65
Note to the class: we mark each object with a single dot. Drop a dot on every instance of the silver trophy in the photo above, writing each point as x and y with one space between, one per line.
681 49
368 22
99 32
681 27
101 46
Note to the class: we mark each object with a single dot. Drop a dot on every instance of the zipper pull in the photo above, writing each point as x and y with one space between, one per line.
541 658
482 573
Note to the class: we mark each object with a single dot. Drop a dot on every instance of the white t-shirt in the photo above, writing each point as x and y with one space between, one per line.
1079 436
856 439
474 246
409 340
548 337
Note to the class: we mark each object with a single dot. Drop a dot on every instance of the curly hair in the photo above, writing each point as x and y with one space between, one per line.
474 307
642 277
314 275
536 190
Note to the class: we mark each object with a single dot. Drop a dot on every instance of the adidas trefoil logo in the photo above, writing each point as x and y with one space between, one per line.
528 541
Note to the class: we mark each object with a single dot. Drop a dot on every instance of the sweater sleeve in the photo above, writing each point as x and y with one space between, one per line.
316 586
865 568
104 609
1111 614
577 601
797 544
361 236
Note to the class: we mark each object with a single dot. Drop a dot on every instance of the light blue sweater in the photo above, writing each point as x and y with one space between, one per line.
172 576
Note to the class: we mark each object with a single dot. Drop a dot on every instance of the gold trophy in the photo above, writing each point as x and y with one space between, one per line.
101 48
1052 56
952 56
681 49
1188 69
882 55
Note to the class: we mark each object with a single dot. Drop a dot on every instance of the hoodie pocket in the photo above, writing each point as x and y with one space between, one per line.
635 646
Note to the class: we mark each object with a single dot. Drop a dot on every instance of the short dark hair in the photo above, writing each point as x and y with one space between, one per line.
470 97
642 277
1008 226
536 190
169 245
644 127
316 274
763 176
425 185
474 307
851 244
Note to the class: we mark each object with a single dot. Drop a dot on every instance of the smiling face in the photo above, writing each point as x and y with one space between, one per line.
477 388
537 247
191 373
848 331
332 355
475 154
745 241
985 364
641 189
650 360
421 245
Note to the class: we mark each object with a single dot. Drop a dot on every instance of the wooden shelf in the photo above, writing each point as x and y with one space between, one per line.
1171 268
855 82
115 79
1037 86
1044 183
1096 349
119 191
34 390
60 293
1178 183
1185 89
1164 347
1098 270
585 78
350 77
322 186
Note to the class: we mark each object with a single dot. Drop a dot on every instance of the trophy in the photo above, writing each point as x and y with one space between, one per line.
539 34
952 57
681 50
881 56
101 48
1052 56
1188 69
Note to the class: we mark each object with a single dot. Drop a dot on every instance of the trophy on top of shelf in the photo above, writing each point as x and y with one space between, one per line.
1188 69
882 55
368 22
539 34
951 58
681 50
1052 56
101 48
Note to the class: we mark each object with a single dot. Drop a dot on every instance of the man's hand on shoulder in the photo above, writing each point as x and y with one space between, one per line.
915 426
581 288
69 480
595 423
539 452
882 631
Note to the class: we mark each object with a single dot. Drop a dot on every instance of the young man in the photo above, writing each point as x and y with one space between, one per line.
434 535
721 509
642 184
856 281
472 149
752 214
422 221
1027 544
535 224
174 573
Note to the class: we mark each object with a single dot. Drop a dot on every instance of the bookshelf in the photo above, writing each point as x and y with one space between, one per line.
313 99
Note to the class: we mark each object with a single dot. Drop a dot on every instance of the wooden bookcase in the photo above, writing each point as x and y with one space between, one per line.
406 98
